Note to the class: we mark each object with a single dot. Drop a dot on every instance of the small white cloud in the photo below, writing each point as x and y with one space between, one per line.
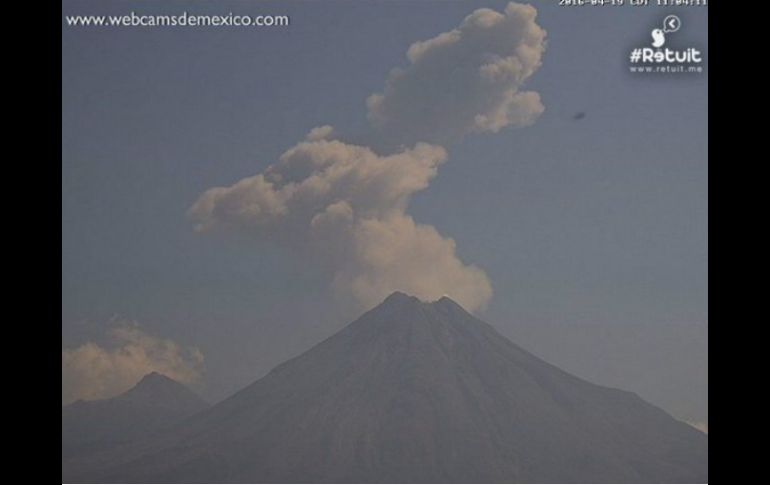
94 371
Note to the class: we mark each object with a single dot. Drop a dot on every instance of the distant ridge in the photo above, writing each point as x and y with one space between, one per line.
156 402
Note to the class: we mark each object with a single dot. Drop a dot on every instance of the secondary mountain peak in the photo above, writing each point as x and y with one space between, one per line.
400 298
449 304
153 404
155 375
157 389
155 380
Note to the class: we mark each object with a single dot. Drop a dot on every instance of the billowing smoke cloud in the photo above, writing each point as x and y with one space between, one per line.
467 80
344 205
93 371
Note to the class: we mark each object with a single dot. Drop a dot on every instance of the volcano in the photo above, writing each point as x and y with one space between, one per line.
415 392
155 403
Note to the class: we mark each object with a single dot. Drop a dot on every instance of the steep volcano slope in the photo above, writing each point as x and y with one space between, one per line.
417 392
154 403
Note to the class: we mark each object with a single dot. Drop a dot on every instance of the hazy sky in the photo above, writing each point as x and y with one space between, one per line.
595 225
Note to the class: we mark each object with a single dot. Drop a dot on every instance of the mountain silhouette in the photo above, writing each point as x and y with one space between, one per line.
156 402
422 393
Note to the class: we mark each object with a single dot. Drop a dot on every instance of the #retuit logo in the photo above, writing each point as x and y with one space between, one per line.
658 58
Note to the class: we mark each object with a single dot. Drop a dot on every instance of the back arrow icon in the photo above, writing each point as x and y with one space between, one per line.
671 24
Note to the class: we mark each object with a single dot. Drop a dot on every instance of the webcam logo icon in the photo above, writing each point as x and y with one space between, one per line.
671 24
660 57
